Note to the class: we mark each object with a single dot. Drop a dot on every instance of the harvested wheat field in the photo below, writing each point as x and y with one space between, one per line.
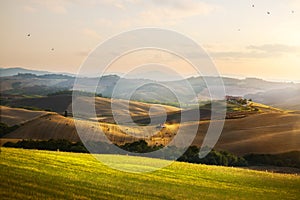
55 126
268 131
15 116
260 133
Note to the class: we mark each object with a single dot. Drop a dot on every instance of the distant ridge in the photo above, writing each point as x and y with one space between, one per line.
285 95
16 70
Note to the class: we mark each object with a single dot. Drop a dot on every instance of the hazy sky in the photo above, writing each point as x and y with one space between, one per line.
242 40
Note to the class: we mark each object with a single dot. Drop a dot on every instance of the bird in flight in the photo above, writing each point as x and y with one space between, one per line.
28 35
268 13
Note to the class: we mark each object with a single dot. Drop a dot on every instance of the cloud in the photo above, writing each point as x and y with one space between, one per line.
29 9
91 33
275 48
238 54
55 6
83 52
256 51
167 12
119 4
58 9
60 6
175 10
104 22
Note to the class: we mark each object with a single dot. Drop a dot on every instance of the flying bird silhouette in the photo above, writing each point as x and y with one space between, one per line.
28 35
268 13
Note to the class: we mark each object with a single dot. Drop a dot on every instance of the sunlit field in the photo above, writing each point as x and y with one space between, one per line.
32 174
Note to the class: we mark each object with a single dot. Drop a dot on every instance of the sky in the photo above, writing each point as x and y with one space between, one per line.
246 38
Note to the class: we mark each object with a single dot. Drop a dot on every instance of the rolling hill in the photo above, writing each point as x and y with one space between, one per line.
261 133
268 130
28 174
17 116
60 103
50 125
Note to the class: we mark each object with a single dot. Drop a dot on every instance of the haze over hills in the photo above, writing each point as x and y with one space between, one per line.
286 98
280 94
137 99
249 127
16 70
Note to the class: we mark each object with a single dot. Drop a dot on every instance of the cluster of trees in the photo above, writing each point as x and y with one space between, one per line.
191 155
242 101
288 159
79 93
52 145
214 157
96 147
129 148
140 146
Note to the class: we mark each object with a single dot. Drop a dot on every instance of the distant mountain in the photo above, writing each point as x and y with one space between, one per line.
286 98
155 75
284 95
16 70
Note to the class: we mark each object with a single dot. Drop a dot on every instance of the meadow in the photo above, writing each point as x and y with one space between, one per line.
36 174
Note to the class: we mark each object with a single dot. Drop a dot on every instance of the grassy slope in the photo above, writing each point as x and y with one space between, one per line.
31 174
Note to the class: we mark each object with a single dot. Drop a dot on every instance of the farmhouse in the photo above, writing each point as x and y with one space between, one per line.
237 100
233 98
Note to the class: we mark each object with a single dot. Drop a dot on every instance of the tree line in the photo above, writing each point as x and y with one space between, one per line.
191 155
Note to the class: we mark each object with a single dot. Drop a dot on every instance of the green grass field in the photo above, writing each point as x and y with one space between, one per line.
32 174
